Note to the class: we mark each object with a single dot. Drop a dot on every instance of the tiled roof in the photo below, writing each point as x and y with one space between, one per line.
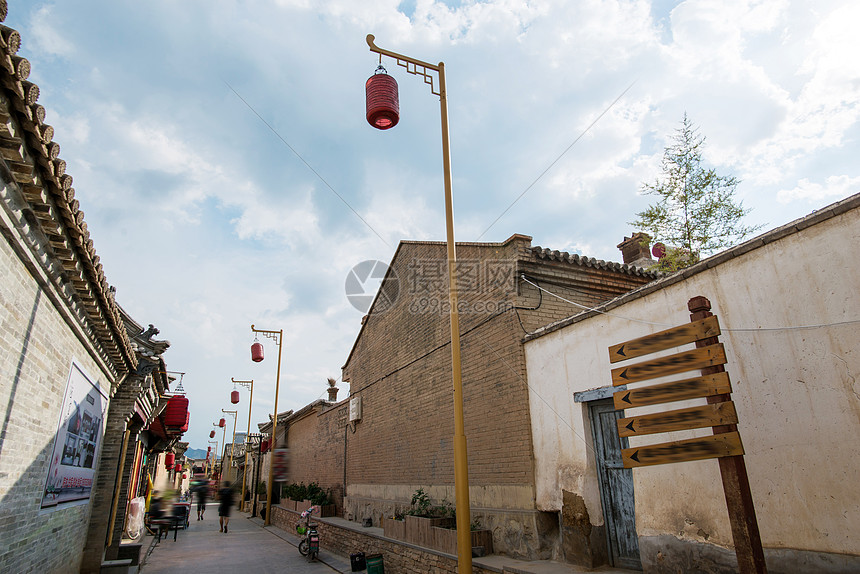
51 216
565 257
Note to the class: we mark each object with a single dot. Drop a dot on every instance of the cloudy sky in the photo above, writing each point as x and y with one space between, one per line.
208 220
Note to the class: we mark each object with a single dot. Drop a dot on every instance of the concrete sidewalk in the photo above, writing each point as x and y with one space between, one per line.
250 547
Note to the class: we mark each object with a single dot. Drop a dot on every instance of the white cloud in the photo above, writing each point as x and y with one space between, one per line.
834 187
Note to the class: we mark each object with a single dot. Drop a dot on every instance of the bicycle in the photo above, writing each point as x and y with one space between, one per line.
309 546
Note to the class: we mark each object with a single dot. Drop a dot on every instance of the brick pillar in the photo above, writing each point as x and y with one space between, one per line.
119 409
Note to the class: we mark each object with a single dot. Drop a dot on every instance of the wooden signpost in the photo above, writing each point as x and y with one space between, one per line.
713 384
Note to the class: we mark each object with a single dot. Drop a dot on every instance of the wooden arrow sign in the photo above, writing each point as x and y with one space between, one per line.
715 446
677 363
706 386
682 419
668 339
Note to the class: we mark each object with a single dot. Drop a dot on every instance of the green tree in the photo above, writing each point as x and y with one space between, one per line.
696 213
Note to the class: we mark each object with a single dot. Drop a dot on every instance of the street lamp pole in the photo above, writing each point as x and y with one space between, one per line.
214 456
461 461
248 385
232 441
278 338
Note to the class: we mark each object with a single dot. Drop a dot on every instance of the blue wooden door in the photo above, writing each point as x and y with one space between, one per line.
616 486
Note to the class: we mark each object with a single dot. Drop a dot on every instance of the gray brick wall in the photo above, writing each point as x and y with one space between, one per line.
36 351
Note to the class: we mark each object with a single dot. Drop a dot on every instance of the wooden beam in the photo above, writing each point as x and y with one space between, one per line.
668 339
714 446
677 363
695 388
680 419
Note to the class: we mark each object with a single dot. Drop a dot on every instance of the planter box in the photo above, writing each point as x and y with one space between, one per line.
327 510
302 505
395 529
445 540
288 503
419 530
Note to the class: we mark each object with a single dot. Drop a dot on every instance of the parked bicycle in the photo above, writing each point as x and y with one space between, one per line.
309 546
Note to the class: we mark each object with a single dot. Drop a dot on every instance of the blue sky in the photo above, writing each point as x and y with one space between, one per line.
206 222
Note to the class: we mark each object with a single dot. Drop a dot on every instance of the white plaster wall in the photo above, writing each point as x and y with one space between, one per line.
796 391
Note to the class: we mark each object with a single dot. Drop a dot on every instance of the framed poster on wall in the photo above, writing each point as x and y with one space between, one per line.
78 440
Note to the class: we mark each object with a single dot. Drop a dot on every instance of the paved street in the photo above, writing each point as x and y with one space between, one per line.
247 547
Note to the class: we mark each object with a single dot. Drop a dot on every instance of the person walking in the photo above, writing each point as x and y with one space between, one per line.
202 491
226 495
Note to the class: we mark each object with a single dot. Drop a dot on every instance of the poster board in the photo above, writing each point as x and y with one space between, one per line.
78 440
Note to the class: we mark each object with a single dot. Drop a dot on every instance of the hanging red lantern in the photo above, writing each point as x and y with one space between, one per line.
234 397
257 352
209 449
211 435
169 459
383 102
178 467
184 476
264 446
222 422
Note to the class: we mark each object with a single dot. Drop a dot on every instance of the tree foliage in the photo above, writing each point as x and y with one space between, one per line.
696 213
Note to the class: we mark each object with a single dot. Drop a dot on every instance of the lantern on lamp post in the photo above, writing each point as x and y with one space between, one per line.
234 397
212 434
383 102
248 385
278 337
461 464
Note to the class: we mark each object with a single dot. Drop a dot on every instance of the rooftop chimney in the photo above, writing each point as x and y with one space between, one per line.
332 390
636 250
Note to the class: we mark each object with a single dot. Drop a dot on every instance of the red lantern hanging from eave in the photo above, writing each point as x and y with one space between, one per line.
211 435
222 422
169 459
383 102
257 352
176 413
234 397
178 467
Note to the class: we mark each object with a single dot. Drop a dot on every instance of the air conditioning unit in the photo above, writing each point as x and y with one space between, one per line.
355 409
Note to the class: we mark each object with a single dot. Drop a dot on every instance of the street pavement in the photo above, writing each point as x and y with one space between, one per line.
248 547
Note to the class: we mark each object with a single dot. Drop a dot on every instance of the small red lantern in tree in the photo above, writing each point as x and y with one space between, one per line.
234 397
257 352
222 422
383 102
211 435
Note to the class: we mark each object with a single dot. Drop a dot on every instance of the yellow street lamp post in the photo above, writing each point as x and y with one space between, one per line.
248 385
461 463
235 415
278 338
214 458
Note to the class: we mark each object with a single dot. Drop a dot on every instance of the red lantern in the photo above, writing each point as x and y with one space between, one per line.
184 476
257 352
383 103
176 413
178 467
234 397
209 449
264 446
211 435
169 459
222 422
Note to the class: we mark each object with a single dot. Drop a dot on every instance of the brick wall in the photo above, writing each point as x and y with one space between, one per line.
401 368
36 350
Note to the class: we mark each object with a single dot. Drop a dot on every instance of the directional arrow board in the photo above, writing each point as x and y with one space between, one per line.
715 446
706 386
682 419
677 363
668 339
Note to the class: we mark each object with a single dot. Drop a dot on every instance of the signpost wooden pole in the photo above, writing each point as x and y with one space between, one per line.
733 471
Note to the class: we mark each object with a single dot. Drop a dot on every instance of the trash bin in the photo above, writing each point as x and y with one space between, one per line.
357 561
375 565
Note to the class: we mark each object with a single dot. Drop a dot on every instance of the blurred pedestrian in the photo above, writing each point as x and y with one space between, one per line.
226 495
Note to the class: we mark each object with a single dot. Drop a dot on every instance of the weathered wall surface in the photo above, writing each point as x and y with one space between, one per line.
36 351
796 391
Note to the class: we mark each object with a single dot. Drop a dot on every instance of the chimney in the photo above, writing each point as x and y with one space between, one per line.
332 390
636 250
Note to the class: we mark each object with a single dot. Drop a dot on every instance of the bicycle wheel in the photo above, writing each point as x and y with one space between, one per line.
303 547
